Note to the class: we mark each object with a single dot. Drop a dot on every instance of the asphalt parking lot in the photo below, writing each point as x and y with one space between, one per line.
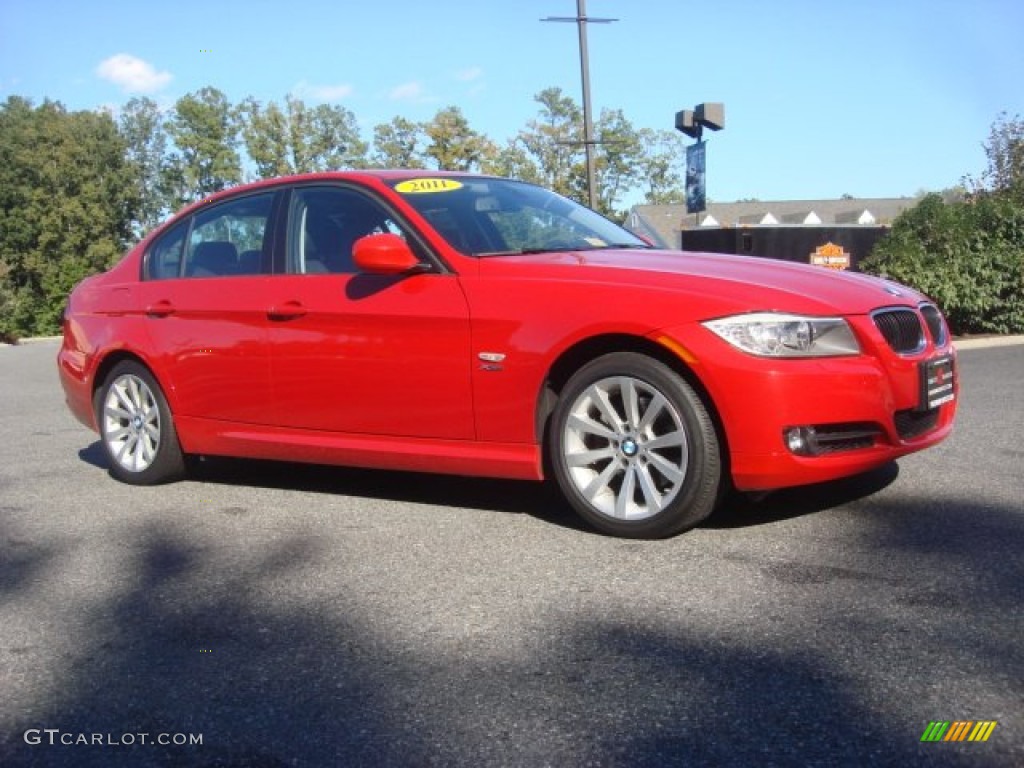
309 616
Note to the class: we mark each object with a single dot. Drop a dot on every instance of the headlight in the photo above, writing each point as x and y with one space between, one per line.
772 334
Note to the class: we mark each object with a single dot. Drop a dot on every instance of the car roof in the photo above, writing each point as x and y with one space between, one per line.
378 175
384 174
363 175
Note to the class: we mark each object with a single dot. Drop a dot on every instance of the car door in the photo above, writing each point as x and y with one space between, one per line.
359 353
205 300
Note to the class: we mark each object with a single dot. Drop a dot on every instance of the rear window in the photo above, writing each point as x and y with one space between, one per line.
164 260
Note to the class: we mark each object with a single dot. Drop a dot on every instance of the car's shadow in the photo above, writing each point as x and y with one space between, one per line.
539 500
95 455
744 510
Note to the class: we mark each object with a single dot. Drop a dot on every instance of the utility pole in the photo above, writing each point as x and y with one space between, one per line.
582 20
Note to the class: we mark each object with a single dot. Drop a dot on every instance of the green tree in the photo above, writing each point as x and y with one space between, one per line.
617 159
1005 152
511 160
453 145
397 144
67 204
661 167
266 135
142 127
324 138
554 141
204 127
300 139
6 305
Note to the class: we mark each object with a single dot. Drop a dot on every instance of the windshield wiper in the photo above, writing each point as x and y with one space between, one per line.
525 251
566 248
619 247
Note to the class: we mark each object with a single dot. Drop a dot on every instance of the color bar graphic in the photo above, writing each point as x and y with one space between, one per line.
959 730
982 730
935 731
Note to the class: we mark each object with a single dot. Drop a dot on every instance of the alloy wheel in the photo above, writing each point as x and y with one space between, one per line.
131 423
625 448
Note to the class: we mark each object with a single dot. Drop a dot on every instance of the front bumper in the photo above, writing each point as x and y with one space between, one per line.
875 396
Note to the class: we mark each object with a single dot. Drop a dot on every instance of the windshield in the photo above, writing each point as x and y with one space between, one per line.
497 217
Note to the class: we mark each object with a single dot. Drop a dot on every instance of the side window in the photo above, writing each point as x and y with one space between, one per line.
164 259
325 222
227 239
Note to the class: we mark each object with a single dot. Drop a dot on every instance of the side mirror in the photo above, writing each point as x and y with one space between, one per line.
384 254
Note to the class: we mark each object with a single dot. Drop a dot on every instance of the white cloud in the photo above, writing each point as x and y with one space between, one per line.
132 74
308 90
468 75
411 91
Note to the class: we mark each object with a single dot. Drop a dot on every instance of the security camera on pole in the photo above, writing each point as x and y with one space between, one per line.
692 123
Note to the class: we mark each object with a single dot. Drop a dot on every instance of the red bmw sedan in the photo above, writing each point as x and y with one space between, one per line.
473 325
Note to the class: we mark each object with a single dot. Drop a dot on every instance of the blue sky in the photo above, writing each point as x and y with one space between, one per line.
874 98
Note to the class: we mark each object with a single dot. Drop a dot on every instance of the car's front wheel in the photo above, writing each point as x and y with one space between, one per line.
634 449
136 427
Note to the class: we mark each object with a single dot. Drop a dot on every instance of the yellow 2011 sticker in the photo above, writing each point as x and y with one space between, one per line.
419 186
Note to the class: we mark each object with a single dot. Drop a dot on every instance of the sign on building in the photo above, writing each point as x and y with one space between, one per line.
830 255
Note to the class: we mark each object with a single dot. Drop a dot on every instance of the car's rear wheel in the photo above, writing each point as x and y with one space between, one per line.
634 449
136 427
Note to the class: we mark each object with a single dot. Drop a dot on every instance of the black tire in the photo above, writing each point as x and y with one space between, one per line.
634 449
136 427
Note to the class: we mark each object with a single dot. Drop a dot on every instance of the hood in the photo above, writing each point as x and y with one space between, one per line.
751 283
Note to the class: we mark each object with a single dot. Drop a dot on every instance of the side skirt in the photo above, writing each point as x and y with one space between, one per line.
515 461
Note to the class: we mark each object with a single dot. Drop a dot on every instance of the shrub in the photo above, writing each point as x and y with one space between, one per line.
968 256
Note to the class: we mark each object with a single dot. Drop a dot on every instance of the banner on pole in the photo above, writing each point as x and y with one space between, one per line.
696 198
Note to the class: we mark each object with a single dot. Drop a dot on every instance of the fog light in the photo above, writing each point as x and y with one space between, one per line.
800 440
794 440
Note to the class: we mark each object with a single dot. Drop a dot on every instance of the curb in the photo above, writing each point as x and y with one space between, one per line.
988 341
32 340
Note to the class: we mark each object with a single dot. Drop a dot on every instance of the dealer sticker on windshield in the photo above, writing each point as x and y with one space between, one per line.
421 186
938 382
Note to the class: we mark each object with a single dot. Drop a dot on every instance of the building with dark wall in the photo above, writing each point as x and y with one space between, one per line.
802 244
794 230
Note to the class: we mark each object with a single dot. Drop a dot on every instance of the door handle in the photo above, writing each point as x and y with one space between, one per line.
286 311
162 308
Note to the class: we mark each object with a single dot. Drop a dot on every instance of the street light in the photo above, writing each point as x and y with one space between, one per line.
705 115
582 20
